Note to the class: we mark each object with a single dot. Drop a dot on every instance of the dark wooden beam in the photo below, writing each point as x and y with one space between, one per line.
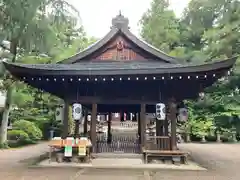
139 127
166 127
104 100
93 125
172 117
85 126
76 130
143 124
109 132
65 125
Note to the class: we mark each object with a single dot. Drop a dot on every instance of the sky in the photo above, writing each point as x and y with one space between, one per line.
96 15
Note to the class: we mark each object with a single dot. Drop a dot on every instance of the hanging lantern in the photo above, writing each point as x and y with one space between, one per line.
201 95
59 114
182 114
77 111
160 111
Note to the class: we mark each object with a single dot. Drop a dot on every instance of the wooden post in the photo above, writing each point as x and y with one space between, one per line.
109 134
76 130
85 126
65 119
159 127
93 133
166 127
172 116
159 132
139 127
143 124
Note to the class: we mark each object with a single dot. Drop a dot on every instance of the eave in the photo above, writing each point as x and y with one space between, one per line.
117 68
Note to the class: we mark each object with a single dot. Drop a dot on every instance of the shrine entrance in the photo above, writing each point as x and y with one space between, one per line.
118 135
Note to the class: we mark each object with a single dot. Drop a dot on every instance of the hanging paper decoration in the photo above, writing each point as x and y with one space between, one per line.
68 151
183 114
160 111
69 142
59 114
77 111
82 149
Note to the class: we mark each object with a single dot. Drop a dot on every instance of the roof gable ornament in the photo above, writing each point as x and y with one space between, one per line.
120 22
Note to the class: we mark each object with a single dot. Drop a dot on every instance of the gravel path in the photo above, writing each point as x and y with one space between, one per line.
222 160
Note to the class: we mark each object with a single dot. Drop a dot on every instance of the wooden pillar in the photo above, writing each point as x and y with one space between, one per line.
121 116
93 133
166 127
172 117
139 127
109 133
143 124
135 117
65 119
76 130
159 127
85 126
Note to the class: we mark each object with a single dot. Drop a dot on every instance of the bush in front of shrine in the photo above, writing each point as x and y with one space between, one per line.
34 132
18 138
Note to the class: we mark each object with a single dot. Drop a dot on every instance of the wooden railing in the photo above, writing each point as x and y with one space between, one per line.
158 143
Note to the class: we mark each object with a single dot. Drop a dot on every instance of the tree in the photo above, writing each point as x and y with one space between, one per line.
160 26
207 31
29 26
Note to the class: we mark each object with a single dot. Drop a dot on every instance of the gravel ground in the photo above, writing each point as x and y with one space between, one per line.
222 160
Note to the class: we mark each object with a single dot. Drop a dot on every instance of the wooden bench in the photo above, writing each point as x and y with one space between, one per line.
165 153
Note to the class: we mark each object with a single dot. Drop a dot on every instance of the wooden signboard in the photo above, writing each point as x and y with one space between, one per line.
56 142
68 151
82 149
69 142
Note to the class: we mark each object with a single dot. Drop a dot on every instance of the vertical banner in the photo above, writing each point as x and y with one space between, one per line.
69 142
82 150
68 151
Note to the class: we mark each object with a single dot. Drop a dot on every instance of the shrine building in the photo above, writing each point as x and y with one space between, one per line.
121 73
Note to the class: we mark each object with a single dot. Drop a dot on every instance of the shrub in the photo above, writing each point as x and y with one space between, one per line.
44 126
4 145
18 138
30 128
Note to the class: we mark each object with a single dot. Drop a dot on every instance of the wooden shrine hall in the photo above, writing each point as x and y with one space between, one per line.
121 73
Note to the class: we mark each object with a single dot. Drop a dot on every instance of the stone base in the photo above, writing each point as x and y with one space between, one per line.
123 163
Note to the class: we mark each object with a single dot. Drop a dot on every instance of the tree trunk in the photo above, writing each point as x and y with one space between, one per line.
8 103
4 124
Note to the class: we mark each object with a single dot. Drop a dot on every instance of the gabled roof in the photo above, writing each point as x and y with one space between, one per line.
120 26
117 68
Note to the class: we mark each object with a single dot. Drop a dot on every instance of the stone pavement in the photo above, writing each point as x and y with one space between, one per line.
223 161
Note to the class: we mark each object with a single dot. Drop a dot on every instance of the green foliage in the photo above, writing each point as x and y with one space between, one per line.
18 138
4 145
41 31
29 128
207 31
160 26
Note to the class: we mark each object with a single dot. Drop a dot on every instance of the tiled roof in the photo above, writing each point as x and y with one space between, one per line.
116 67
